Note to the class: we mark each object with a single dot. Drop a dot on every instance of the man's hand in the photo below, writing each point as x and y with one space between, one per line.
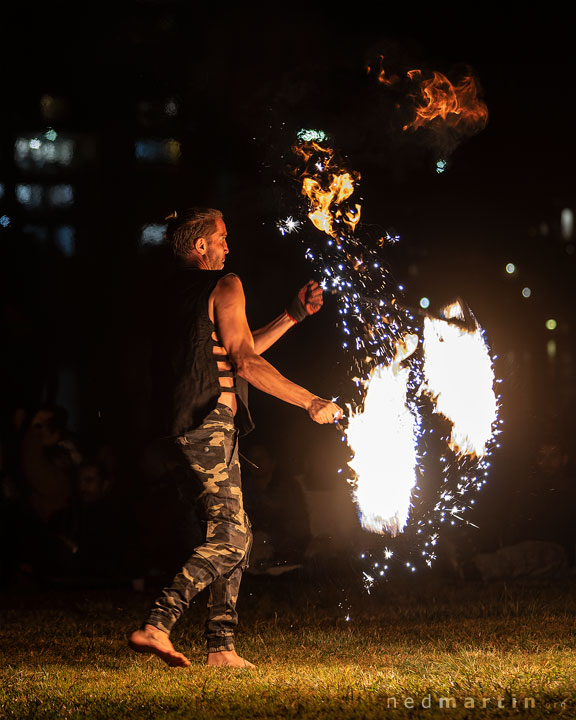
324 411
307 302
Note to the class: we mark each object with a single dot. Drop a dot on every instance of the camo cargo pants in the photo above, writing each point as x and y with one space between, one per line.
211 452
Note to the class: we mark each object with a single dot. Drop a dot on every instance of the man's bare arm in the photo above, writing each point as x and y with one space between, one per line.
232 328
311 301
266 336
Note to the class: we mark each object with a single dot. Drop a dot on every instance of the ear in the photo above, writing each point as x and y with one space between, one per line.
200 245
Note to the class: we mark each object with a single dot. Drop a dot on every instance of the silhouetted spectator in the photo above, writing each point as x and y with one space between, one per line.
276 506
542 506
540 536
42 467
48 460
94 529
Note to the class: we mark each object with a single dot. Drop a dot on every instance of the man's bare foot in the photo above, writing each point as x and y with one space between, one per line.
228 658
151 640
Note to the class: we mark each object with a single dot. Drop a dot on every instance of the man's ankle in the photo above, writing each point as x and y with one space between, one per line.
147 627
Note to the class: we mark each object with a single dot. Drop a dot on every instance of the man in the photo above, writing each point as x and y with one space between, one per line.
206 355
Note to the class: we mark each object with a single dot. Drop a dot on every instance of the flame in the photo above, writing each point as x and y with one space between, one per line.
438 97
383 437
327 187
321 202
459 377
435 97
382 74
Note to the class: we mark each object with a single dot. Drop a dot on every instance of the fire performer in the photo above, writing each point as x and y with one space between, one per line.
210 355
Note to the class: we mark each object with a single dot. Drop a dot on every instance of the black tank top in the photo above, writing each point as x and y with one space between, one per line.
184 373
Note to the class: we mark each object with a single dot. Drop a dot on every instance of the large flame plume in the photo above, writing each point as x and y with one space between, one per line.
384 439
457 105
436 101
459 377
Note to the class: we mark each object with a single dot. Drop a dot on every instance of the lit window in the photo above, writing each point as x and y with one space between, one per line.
43 150
567 223
30 195
64 237
61 195
152 234
157 151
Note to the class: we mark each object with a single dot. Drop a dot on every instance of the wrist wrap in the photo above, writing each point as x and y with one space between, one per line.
296 310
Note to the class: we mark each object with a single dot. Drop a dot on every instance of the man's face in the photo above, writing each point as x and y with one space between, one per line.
216 247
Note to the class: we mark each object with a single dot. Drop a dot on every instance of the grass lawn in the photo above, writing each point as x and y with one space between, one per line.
413 648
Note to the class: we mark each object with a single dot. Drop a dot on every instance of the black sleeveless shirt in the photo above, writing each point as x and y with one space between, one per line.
184 374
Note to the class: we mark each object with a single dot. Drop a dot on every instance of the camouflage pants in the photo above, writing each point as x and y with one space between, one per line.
211 453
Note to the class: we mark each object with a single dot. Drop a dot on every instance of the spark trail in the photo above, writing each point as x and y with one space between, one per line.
394 378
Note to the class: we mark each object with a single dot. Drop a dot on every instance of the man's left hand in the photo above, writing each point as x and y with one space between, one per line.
307 302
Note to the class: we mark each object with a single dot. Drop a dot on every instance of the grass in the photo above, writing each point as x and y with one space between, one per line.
486 649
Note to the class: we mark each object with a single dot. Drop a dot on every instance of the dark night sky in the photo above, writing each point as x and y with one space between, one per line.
245 79
239 73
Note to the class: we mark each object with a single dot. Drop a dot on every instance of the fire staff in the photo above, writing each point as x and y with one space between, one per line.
206 355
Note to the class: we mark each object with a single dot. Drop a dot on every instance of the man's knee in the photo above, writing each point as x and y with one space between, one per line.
227 544
223 556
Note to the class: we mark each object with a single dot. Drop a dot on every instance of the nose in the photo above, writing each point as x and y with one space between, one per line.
226 251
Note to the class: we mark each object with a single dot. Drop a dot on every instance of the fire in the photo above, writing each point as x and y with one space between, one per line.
459 377
327 187
322 201
437 97
383 437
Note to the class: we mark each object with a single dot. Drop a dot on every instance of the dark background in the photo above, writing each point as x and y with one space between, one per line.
232 86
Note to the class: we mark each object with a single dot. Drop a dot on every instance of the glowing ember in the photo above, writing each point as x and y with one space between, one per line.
383 438
459 377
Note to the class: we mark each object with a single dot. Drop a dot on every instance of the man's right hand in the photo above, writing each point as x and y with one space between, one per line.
324 411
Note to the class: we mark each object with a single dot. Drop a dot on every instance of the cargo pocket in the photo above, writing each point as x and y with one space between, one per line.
229 534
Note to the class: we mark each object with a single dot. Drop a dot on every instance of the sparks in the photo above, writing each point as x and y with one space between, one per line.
388 390
288 225
311 135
